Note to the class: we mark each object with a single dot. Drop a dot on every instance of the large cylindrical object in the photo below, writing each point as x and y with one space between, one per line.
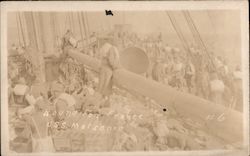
228 127
134 59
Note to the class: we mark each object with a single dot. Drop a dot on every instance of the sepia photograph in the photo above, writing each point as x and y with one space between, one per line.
124 78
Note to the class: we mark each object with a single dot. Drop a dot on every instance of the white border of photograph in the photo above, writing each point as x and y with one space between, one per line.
127 6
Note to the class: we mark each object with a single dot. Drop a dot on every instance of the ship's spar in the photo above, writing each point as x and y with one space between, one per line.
221 122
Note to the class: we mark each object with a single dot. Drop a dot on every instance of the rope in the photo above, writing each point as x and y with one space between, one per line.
87 22
178 31
198 38
87 27
190 26
18 30
80 24
70 24
21 26
84 24
73 23
34 29
52 22
42 35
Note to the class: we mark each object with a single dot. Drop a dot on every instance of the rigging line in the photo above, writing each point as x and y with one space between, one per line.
42 35
201 42
57 27
66 26
34 29
70 25
194 34
190 26
173 22
87 22
80 25
69 20
21 26
18 30
199 37
73 23
84 25
196 31
52 22
181 34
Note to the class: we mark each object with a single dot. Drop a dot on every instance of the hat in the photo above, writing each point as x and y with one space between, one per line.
105 48
20 89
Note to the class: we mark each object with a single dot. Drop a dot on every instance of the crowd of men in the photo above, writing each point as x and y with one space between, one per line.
76 88
195 70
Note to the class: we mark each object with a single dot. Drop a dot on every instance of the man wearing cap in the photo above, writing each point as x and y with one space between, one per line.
158 71
189 75
178 73
217 88
56 90
110 62
68 40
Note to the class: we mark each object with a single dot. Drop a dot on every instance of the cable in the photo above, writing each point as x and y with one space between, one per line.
172 20
34 29
52 22
21 27
70 23
73 23
18 30
84 24
196 34
199 37
87 22
190 26
179 33
80 25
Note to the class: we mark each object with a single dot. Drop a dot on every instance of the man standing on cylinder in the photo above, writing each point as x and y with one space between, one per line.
109 62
